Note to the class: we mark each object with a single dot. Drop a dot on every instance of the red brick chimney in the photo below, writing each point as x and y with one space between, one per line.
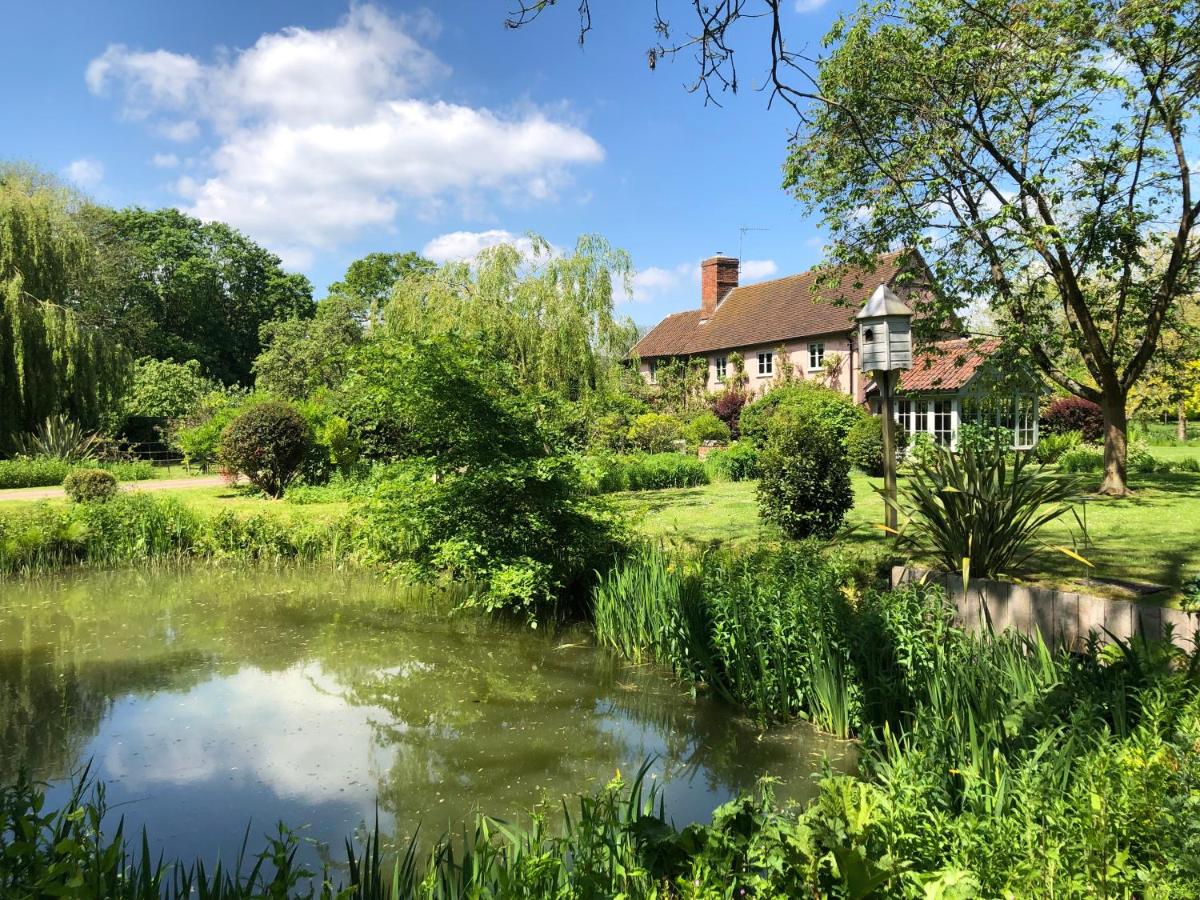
718 276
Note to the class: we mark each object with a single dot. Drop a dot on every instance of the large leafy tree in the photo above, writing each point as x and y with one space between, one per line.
550 316
369 281
1037 151
52 360
301 356
194 290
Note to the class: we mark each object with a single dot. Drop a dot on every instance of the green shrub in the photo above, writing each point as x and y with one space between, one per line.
32 472
983 437
979 511
705 427
521 533
655 432
267 443
800 400
737 462
198 435
1081 459
129 470
165 389
1051 447
864 444
45 472
662 470
1187 464
89 485
804 478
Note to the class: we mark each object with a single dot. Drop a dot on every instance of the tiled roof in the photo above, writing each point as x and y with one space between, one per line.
771 312
948 366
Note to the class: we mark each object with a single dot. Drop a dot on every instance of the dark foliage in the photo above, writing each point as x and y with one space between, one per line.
267 443
1074 414
727 406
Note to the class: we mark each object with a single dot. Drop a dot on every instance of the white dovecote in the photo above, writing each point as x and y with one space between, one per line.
885 332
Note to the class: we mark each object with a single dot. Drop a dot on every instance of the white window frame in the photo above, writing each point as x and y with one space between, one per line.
1025 422
949 431
766 364
721 363
816 355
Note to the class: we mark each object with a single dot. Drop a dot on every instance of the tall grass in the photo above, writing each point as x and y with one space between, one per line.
992 765
780 633
76 851
134 528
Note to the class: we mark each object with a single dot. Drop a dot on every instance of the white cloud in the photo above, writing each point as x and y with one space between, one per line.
322 134
85 172
806 6
466 245
165 160
159 79
683 280
655 282
757 269
182 131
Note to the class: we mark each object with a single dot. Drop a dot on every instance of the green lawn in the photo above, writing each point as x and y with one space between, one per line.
211 500
1153 536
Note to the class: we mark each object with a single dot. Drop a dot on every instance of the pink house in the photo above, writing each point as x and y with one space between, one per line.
804 325
805 322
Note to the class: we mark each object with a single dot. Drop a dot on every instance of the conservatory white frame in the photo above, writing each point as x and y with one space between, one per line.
928 413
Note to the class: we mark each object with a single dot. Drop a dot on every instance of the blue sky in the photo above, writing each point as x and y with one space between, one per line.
328 130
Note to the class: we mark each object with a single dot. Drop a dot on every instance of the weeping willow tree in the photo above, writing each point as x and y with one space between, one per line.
548 315
51 362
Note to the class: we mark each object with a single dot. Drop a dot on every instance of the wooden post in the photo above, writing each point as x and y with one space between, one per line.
889 447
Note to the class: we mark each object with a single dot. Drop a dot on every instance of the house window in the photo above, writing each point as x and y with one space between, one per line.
816 356
654 371
721 367
1026 419
904 415
943 421
766 363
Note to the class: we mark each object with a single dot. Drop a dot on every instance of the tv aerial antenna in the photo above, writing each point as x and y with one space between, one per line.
742 237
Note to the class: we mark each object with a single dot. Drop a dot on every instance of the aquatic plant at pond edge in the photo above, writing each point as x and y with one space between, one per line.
133 528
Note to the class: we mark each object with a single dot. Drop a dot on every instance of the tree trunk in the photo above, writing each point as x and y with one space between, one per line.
1181 423
1116 445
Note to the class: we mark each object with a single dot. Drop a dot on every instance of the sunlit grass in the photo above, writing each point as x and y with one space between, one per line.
1151 536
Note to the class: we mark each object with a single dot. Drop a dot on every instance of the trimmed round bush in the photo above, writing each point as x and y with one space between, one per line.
706 427
864 444
90 485
1074 414
801 400
267 443
804 478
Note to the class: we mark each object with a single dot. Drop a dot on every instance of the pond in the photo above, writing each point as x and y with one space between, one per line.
208 698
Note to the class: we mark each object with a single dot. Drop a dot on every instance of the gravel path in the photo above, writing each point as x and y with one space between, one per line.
160 484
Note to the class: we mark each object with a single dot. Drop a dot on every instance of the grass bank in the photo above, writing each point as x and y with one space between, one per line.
134 528
1149 536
